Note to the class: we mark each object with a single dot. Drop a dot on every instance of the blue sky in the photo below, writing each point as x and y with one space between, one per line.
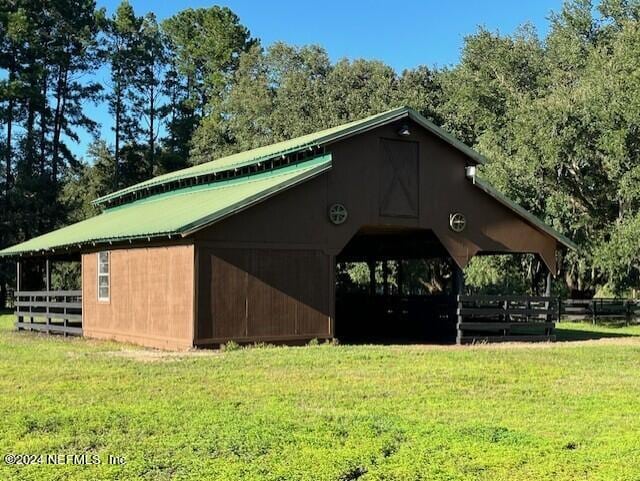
403 34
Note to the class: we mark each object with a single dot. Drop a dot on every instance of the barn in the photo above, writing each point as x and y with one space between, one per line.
250 247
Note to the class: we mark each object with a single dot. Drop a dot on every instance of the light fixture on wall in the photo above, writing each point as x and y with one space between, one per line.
470 172
404 131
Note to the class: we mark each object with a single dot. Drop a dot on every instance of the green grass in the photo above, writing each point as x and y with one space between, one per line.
521 412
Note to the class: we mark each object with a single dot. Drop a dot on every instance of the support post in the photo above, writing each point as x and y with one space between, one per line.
372 277
47 286
547 293
385 277
400 278
17 293
547 285
458 280
458 290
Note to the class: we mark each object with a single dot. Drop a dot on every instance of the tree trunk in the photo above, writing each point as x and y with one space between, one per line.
43 123
61 92
30 137
10 108
116 171
152 114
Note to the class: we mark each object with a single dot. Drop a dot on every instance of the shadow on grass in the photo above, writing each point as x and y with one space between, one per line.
587 335
395 340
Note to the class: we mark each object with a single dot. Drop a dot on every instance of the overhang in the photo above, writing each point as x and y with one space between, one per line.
175 213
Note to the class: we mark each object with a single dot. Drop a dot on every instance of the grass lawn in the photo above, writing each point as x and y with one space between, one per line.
569 411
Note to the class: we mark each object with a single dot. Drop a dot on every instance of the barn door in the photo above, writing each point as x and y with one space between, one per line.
399 196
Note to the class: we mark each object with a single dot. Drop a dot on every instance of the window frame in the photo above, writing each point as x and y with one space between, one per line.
102 274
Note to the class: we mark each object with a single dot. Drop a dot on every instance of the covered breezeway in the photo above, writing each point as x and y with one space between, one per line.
399 285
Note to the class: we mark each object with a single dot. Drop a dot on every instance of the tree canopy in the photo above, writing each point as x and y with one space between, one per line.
558 116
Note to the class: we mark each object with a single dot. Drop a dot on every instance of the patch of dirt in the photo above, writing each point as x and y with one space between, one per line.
150 355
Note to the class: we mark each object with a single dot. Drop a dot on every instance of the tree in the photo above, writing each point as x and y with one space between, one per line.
147 83
205 45
124 48
48 49
88 181
286 91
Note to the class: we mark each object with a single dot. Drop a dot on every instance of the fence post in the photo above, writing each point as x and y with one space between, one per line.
594 304
459 320
16 296
47 297
507 318
627 312
458 286
559 308
65 321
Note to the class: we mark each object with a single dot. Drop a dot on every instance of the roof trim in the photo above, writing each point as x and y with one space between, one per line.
521 211
447 137
309 141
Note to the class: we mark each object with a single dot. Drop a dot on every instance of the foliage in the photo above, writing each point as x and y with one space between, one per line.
230 346
204 48
287 91
324 412
46 51
558 117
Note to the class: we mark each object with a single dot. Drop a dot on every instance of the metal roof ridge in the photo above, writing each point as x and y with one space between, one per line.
290 146
332 134
226 183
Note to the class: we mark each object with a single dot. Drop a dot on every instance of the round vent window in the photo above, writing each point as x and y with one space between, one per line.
338 214
457 222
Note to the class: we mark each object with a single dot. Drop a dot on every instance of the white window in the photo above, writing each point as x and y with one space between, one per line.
103 276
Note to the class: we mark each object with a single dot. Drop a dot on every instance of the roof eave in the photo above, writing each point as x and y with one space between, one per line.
521 211
79 246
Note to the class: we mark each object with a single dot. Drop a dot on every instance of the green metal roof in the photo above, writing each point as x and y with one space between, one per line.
179 212
316 139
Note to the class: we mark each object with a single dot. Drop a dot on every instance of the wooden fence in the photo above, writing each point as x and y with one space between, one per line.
484 318
49 311
600 310
479 318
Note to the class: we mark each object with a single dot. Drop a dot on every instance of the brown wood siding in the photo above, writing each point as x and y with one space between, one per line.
151 297
262 294
267 273
298 217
